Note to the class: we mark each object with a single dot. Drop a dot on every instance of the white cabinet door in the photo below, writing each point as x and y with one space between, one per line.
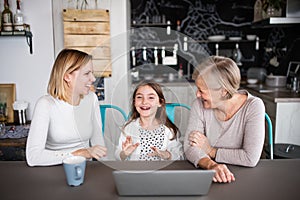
287 128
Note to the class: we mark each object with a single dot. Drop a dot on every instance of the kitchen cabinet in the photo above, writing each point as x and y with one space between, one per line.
283 108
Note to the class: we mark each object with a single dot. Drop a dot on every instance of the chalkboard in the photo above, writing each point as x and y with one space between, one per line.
199 19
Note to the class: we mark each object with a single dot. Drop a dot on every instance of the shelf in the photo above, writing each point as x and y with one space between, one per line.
276 21
224 41
26 34
150 24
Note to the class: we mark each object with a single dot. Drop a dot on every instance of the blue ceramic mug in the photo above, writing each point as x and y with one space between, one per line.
74 167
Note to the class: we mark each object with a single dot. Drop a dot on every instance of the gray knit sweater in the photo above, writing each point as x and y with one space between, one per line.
239 140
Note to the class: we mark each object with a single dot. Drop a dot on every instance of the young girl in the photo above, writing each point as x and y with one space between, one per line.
149 134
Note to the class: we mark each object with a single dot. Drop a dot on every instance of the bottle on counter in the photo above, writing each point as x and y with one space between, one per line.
18 18
180 71
178 25
7 18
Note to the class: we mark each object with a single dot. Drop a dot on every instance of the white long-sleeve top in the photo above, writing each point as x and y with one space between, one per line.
239 140
159 137
58 128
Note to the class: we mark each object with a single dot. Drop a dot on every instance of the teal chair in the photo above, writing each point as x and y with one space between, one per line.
270 134
103 113
170 109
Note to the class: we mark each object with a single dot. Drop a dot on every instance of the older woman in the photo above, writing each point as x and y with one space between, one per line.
226 125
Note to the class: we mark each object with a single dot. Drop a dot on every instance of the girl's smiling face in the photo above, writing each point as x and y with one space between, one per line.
146 101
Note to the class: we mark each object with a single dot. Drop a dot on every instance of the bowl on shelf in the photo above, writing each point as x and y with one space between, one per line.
251 37
216 38
235 38
252 81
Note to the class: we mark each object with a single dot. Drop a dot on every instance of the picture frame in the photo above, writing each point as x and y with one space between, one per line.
8 95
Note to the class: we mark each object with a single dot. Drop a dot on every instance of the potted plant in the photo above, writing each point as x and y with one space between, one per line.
272 8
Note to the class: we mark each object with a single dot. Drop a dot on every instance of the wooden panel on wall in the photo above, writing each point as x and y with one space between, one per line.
86 15
99 52
86 40
89 31
86 27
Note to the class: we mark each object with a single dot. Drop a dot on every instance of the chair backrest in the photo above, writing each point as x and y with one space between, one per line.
170 109
270 134
103 108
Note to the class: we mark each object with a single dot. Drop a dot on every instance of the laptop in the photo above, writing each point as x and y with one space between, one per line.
163 182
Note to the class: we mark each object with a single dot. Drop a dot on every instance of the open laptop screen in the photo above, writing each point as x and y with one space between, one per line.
163 182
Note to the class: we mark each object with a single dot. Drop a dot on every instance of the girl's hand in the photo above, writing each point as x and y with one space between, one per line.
199 140
166 155
128 147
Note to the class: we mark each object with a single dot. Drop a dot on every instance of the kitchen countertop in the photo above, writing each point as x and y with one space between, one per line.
277 95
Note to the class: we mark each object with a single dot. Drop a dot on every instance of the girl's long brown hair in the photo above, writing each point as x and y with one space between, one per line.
161 111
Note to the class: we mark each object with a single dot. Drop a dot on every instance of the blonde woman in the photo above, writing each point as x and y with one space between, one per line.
67 121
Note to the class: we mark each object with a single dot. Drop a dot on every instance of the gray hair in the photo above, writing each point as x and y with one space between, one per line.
219 72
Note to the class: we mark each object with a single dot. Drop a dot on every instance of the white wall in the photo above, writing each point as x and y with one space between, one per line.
31 72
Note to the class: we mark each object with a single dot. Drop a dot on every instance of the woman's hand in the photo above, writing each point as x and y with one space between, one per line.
165 155
96 152
222 175
199 140
128 147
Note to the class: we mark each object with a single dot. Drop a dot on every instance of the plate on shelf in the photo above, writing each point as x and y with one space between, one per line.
235 38
216 38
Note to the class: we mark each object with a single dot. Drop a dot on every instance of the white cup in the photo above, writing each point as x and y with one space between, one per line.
74 167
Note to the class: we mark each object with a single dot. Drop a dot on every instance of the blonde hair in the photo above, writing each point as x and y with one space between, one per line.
67 61
219 72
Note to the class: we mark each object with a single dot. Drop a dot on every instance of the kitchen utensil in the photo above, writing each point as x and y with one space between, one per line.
237 55
276 81
295 84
